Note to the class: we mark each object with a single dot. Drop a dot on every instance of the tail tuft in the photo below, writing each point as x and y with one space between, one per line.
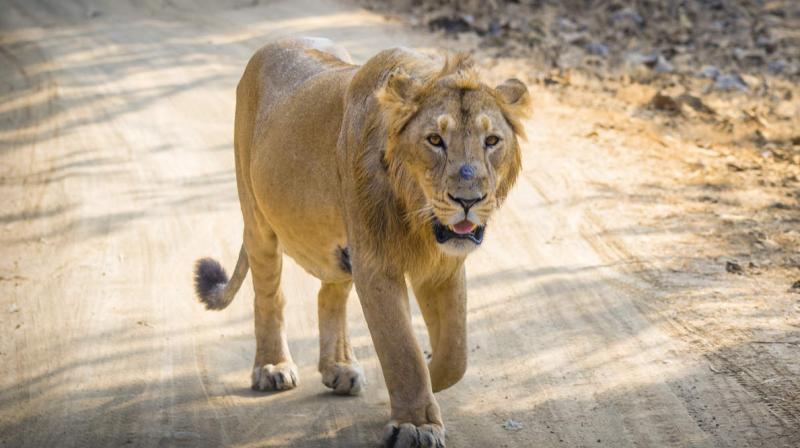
210 280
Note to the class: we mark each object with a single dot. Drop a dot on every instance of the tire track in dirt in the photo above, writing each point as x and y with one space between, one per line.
722 360
125 166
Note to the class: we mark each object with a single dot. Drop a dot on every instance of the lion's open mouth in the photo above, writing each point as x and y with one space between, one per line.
460 230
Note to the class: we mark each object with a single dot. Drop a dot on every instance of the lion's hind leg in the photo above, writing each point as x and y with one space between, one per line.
337 363
274 368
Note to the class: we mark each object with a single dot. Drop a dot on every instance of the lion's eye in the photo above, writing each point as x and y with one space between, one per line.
491 140
435 140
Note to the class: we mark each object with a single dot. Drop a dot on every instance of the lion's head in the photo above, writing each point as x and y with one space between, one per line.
452 151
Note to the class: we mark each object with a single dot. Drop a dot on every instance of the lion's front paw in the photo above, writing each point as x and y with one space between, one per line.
406 435
344 379
281 376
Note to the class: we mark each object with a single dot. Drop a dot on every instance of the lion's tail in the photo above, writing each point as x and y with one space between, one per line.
211 281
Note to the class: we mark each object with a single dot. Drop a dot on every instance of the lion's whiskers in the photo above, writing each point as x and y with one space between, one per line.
423 214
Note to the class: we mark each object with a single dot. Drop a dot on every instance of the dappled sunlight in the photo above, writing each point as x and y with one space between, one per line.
306 25
591 304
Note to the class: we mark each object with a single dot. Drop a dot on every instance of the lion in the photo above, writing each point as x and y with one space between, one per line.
368 175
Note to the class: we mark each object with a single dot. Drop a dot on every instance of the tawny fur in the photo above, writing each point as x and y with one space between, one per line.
331 160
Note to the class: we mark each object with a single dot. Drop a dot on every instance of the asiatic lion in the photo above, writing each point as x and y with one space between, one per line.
368 175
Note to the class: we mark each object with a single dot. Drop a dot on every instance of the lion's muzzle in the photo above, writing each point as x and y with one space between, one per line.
445 233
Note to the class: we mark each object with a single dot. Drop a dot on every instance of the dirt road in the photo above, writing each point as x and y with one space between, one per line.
116 173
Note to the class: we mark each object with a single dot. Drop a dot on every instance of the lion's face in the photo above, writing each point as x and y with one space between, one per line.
460 150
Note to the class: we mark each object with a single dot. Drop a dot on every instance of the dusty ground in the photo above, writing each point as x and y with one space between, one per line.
601 309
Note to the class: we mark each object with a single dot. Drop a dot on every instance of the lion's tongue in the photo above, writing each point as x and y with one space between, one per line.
463 227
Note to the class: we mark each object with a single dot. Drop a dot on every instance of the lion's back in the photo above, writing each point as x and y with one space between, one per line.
289 107
279 68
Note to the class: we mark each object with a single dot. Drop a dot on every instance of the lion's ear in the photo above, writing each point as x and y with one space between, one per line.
516 103
514 93
397 99
400 84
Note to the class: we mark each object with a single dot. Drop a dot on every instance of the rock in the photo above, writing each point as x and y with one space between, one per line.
494 28
665 103
766 43
709 71
796 286
555 77
734 267
696 103
730 82
564 23
777 67
663 66
775 9
751 81
627 16
684 103
682 60
636 58
512 425
579 38
749 57
597 49
684 19
450 25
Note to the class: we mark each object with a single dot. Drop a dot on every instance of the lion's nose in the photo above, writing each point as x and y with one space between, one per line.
467 172
465 202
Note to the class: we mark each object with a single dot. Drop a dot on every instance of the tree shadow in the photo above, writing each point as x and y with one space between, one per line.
555 337
579 367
